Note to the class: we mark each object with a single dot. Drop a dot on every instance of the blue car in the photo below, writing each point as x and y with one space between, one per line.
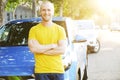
16 60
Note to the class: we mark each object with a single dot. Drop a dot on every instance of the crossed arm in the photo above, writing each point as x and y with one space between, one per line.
51 49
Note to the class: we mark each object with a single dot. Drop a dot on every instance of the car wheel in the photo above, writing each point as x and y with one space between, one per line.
85 77
79 75
97 47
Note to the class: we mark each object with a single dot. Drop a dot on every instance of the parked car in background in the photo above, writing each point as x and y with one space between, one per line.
17 60
115 27
88 29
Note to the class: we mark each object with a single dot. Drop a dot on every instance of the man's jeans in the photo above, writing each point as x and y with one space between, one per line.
49 76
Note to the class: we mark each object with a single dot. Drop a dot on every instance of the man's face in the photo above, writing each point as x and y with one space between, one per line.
47 12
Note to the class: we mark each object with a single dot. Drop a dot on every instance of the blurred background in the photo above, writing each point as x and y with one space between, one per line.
104 12
105 64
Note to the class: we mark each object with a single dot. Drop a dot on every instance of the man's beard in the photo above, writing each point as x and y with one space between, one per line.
46 19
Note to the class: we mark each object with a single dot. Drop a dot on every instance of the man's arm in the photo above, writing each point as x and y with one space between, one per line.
36 47
60 49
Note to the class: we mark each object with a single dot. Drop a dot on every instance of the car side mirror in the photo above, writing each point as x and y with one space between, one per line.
79 38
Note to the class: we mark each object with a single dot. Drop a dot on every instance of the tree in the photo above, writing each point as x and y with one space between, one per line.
34 11
71 8
58 7
10 5
2 8
77 9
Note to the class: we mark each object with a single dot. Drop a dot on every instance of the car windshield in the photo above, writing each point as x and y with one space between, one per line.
85 24
15 34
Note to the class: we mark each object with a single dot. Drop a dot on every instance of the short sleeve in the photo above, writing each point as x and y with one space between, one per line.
31 34
62 34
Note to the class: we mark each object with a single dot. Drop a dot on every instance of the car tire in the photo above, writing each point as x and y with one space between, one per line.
96 48
79 74
85 77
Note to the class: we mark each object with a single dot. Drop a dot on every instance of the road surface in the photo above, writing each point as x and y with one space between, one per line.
105 65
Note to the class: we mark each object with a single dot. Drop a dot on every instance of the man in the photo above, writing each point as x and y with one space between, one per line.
47 41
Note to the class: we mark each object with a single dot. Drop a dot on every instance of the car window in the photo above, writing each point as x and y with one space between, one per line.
85 24
16 34
4 31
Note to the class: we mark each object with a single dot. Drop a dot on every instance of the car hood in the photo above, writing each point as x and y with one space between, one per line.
89 34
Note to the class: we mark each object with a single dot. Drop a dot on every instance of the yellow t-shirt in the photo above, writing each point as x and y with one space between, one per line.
47 35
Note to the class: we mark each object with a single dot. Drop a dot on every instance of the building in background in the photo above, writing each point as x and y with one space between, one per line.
21 12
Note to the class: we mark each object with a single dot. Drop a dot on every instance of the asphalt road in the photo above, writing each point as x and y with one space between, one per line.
105 65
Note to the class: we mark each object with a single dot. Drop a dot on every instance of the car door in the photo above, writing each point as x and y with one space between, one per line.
15 56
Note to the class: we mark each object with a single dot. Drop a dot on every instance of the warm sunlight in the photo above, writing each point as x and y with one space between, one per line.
108 5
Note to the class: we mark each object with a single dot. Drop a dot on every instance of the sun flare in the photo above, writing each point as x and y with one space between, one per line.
109 4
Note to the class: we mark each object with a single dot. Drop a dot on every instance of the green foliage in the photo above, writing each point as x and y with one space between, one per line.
11 1
72 8
12 4
57 4
14 78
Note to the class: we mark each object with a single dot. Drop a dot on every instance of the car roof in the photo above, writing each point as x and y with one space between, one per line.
25 20
60 18
35 19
